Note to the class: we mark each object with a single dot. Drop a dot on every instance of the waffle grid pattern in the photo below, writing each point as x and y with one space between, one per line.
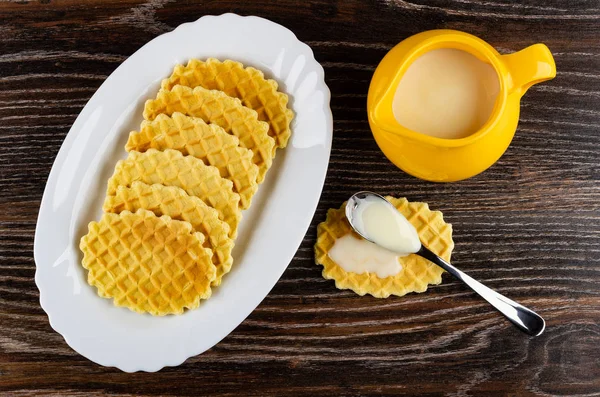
171 168
207 142
216 107
248 84
177 204
146 263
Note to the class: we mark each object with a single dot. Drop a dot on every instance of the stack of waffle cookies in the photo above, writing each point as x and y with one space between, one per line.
173 206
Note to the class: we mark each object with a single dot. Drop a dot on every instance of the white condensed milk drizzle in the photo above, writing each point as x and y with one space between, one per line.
357 255
380 222
392 236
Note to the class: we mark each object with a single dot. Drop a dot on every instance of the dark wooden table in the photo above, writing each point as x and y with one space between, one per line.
528 227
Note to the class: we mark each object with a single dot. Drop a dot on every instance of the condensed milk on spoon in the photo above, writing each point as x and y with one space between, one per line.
382 223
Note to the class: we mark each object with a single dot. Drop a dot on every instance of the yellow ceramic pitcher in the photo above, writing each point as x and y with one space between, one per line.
446 160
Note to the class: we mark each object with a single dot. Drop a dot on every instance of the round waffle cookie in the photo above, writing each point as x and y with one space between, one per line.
416 272
171 168
146 263
208 142
177 204
216 107
248 84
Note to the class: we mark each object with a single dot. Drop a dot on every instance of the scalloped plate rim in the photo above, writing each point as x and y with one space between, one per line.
175 360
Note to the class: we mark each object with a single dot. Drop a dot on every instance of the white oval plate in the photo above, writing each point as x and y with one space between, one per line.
270 232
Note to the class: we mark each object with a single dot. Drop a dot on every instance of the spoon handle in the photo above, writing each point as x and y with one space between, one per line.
525 319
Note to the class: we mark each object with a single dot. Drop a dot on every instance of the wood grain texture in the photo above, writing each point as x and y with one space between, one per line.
528 227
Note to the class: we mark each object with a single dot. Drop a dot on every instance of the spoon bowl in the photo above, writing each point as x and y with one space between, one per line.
352 206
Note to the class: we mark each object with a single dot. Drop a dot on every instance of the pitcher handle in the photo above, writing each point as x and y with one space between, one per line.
529 66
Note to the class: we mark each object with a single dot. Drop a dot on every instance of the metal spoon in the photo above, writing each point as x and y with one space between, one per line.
525 319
